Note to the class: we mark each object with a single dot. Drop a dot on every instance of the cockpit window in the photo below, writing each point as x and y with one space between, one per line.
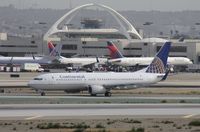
37 78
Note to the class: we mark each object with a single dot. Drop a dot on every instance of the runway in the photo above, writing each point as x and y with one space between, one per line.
87 99
82 97
64 111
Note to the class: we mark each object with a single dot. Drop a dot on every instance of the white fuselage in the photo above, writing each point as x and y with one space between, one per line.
22 60
81 81
132 61
81 61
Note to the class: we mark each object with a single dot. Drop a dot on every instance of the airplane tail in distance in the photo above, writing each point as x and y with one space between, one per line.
50 46
54 51
159 63
114 52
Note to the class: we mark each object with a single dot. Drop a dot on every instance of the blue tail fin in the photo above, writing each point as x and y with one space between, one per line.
114 52
159 63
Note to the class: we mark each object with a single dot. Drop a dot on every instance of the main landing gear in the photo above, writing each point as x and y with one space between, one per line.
108 94
42 94
93 94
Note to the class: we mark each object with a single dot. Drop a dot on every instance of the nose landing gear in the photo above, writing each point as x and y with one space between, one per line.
42 94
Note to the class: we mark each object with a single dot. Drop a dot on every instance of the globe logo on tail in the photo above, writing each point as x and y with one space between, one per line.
156 66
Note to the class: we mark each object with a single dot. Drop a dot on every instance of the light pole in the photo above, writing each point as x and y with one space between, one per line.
198 24
147 45
43 24
148 24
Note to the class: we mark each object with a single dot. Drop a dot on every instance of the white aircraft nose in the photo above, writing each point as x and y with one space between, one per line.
30 83
191 62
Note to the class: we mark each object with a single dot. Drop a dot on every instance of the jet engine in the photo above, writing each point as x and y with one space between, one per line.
96 89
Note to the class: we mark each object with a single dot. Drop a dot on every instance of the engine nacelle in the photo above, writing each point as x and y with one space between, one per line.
96 89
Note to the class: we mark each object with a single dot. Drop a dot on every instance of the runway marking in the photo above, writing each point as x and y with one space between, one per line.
189 116
33 117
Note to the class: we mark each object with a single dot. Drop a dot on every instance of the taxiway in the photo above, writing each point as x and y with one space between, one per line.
64 111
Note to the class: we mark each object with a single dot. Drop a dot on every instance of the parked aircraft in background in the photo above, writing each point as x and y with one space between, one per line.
74 61
103 82
44 60
118 59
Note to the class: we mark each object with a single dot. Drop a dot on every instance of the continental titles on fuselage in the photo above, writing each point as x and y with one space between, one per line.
72 76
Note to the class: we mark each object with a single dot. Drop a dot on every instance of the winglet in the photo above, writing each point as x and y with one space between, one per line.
159 63
114 52
97 59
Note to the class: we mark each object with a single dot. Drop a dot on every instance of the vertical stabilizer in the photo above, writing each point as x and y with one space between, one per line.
159 63
54 51
114 52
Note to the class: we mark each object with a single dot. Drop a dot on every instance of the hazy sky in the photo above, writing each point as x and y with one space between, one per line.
139 5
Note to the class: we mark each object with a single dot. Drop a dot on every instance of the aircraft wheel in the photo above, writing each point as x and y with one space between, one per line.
108 94
93 94
42 93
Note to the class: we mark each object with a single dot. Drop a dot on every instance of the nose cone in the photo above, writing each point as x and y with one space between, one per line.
190 62
30 84
33 84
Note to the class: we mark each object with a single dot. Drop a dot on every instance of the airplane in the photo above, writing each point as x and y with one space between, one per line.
104 82
118 59
42 60
79 61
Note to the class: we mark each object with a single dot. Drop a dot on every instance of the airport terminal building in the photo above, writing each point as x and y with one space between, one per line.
87 36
